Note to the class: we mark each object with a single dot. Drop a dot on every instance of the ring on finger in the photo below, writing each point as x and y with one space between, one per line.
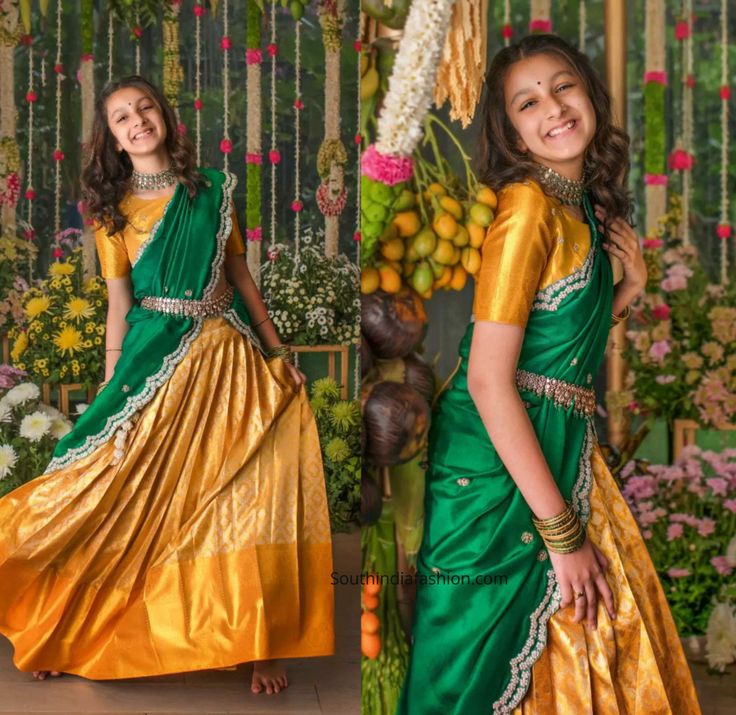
579 594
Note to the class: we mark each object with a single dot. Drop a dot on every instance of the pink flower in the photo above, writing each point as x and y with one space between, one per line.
386 168
271 49
254 234
661 312
58 253
58 69
665 379
690 80
659 349
297 206
647 534
655 76
181 128
254 158
719 486
720 563
506 31
30 194
674 531
680 160
358 138
357 237
31 97
678 573
656 179
197 103
253 56
199 10
274 156
673 283
730 504
706 527
725 92
298 104
58 155
688 519
723 230
226 146
225 43
652 243
682 30
357 45
137 32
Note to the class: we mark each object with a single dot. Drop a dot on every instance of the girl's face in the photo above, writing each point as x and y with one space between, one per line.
135 121
548 106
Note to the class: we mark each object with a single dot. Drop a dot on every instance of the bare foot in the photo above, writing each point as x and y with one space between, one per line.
41 674
268 674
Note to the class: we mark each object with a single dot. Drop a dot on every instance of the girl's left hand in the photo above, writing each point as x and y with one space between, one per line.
296 375
623 242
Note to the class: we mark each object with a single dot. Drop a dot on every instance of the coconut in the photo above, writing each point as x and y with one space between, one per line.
393 323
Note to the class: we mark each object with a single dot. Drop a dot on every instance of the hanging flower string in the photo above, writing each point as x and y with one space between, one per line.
358 46
30 195
506 30
138 32
199 11
110 41
226 146
540 16
274 156
172 69
58 155
582 24
724 227
296 204
254 155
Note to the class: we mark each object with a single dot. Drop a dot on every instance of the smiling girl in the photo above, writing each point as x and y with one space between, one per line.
538 594
182 524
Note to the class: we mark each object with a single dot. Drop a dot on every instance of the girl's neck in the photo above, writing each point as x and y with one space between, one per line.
153 163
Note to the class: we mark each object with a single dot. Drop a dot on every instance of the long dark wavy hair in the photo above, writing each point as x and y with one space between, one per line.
606 163
106 172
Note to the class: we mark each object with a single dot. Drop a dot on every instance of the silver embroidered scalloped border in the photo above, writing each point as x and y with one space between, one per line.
136 402
521 665
234 319
550 298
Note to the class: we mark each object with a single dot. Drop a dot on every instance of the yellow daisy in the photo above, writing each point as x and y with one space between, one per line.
68 340
36 306
78 309
61 269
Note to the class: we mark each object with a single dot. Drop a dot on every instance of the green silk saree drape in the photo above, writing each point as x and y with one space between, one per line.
474 644
182 259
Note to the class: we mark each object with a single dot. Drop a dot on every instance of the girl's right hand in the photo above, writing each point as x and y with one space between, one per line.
582 572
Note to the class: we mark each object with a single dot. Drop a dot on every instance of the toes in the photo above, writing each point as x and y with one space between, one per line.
256 688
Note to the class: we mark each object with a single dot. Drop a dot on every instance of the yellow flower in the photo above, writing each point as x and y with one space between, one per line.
37 306
78 309
100 329
98 341
19 347
68 340
61 269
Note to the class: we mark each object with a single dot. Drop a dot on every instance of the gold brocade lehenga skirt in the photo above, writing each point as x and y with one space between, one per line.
206 545
633 665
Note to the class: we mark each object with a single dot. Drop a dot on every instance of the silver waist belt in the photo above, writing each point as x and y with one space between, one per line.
562 393
208 308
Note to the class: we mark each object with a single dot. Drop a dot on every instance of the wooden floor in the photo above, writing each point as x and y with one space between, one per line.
717 693
316 685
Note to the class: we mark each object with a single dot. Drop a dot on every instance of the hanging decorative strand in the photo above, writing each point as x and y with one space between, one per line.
358 146
172 69
10 33
582 25
137 32
655 82
331 194
110 41
681 159
58 154
296 204
199 10
253 148
463 65
724 226
540 16
274 155
226 146
506 31
87 81
30 195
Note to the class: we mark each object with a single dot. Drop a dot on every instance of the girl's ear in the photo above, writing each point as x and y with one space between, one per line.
523 148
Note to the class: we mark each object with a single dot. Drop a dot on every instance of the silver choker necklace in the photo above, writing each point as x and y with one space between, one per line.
568 191
152 182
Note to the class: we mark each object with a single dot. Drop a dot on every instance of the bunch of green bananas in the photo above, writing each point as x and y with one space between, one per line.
379 204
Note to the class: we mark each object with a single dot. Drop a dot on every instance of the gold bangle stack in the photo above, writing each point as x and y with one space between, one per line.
616 319
281 351
563 533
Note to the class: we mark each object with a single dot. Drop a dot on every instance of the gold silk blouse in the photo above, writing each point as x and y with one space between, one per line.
118 252
532 243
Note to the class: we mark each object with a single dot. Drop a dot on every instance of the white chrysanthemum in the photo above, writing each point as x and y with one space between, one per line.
60 427
8 458
6 411
412 81
52 412
81 407
720 637
35 426
22 393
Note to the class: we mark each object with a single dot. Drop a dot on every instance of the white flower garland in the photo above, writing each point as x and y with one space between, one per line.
225 85
724 138
411 85
110 42
687 117
30 195
57 141
582 24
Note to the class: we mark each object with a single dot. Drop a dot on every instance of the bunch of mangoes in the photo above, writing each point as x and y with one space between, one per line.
438 253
